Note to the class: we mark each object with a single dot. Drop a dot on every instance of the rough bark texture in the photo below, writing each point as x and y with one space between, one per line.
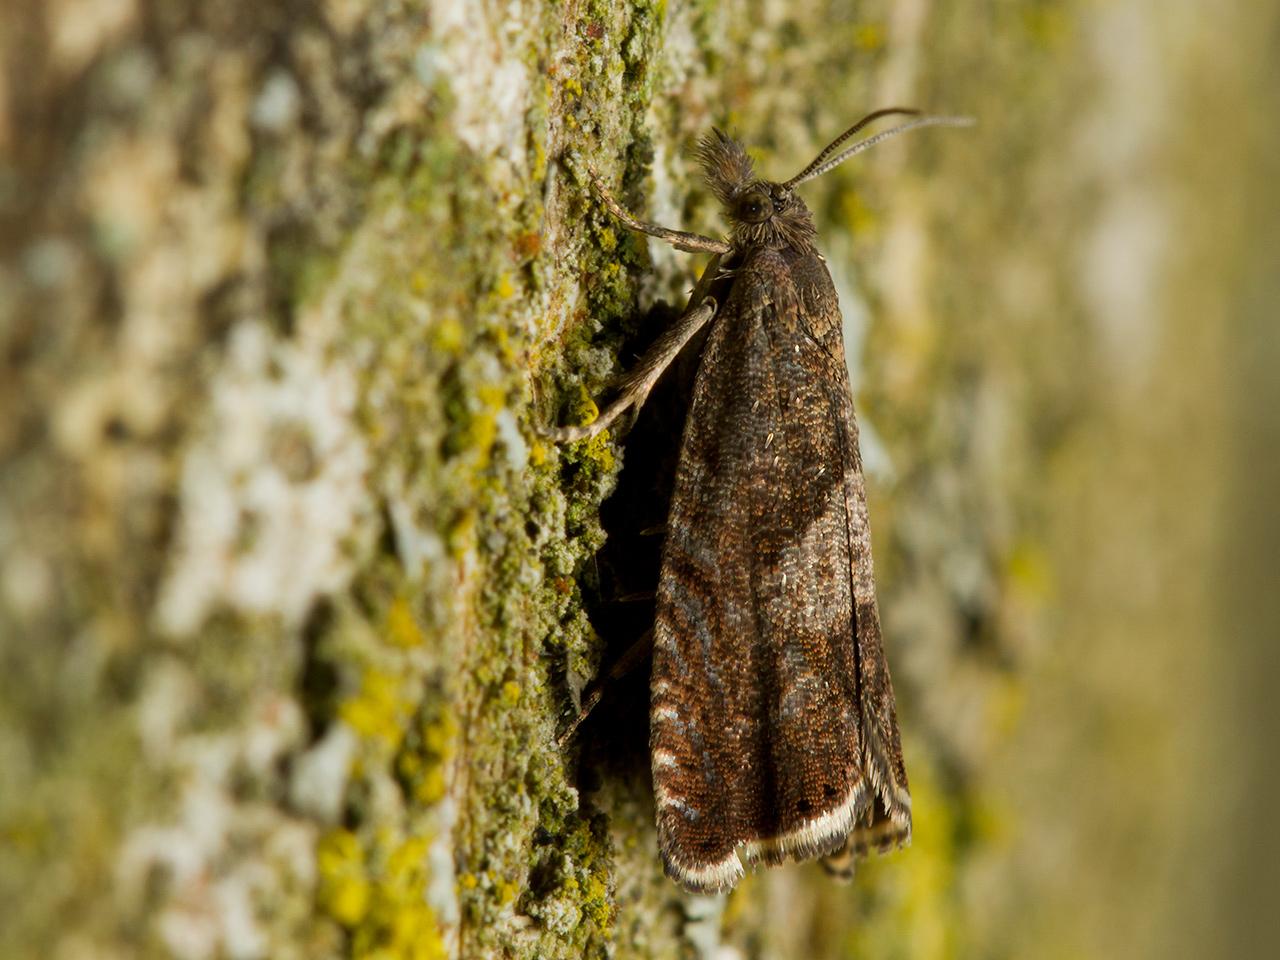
292 597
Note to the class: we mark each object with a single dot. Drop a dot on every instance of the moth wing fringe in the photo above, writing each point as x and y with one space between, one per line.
815 837
893 795
711 878
824 834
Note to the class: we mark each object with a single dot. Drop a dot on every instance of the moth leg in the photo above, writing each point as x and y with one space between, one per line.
634 387
681 240
633 657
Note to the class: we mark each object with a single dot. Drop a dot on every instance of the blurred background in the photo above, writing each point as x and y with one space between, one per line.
293 597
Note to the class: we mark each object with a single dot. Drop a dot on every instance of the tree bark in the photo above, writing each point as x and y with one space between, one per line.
294 597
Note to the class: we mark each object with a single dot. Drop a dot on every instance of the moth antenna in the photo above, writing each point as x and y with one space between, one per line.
817 168
869 118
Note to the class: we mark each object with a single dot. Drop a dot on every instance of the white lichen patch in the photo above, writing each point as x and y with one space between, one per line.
704 920
421 549
278 103
273 488
480 49
166 700
512 440
442 889
216 860
320 775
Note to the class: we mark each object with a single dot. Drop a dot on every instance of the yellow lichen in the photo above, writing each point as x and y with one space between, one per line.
868 37
398 924
400 627
431 787
584 409
595 900
449 335
1029 571
480 434
379 710
511 693
539 171
423 768
344 890
460 534
600 449
439 736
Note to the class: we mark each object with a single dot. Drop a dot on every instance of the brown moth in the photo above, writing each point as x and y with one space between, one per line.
773 732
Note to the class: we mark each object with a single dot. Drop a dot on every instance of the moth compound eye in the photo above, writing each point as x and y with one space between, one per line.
755 208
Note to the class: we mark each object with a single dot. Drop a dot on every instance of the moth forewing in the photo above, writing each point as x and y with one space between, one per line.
759 708
773 728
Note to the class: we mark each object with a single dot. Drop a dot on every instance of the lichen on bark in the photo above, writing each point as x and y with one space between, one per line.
293 593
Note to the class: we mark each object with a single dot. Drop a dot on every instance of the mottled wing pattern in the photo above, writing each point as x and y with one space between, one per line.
773 732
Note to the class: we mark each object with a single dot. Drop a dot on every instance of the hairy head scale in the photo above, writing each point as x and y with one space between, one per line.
764 213
725 165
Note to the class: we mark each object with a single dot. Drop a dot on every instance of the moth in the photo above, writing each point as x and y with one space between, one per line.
773 729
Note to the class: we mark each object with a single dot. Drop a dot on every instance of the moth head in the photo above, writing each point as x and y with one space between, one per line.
766 213
761 212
